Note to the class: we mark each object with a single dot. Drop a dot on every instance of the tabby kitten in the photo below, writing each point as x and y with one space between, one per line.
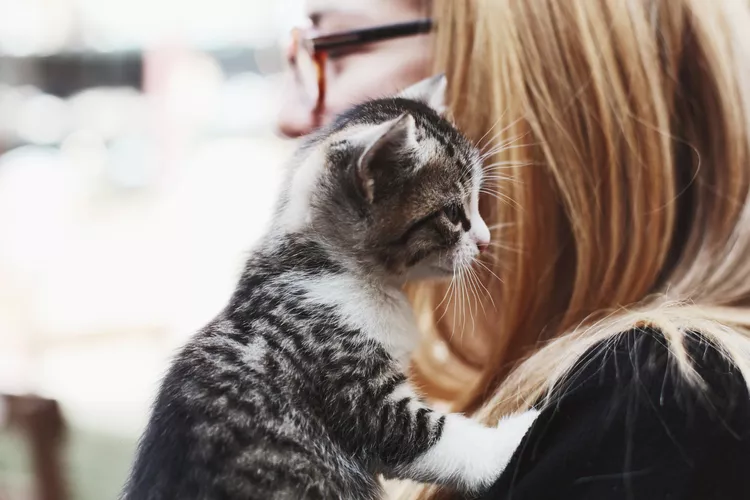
297 389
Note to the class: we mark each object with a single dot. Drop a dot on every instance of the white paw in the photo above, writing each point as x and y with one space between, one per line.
500 448
472 456
516 426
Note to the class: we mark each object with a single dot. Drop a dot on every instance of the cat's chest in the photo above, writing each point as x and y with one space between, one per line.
384 316
390 324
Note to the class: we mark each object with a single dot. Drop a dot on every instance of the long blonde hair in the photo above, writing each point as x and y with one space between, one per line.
617 138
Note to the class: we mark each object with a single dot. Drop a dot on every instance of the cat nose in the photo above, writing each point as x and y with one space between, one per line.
482 243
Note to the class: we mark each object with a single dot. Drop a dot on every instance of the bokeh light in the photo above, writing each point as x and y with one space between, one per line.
138 165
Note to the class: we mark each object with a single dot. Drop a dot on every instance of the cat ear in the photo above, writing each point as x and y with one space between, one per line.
392 136
430 91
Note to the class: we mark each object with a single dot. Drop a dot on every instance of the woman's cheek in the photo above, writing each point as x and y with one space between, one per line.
357 78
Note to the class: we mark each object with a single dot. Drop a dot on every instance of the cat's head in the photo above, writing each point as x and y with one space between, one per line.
392 185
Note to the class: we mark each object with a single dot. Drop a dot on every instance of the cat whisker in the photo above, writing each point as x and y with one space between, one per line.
446 296
451 299
475 290
496 182
500 132
501 225
462 303
501 198
496 261
471 303
496 244
499 146
495 175
483 286
507 140
487 268
488 157
500 177
479 142
469 288
508 148
509 165
491 188
455 305
497 178
491 257
467 303
497 192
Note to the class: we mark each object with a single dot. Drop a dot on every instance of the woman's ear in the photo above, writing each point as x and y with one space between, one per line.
430 91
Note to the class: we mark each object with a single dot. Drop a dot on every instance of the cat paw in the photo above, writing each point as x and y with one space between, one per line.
471 456
495 453
518 425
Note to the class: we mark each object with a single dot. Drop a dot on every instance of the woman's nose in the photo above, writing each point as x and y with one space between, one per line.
296 117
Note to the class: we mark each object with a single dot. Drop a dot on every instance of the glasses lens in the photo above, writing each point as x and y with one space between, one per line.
307 72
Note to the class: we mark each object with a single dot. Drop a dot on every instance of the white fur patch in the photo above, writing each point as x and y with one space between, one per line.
297 211
253 353
431 91
383 315
479 232
427 150
401 392
406 391
471 455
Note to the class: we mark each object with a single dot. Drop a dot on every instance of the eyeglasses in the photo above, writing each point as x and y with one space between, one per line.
308 55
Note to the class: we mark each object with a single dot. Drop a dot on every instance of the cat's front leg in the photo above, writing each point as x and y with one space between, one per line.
449 449
469 455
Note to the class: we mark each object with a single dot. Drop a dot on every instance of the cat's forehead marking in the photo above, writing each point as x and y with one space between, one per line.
428 150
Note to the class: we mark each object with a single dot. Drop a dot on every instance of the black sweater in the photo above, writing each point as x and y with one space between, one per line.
628 426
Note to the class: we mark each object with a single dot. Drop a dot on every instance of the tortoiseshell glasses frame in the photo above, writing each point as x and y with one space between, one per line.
308 54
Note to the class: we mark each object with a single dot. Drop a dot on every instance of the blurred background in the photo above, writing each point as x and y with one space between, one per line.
138 164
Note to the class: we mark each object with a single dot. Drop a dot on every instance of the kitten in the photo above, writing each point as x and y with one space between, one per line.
297 389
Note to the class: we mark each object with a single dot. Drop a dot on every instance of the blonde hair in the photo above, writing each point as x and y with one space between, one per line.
620 196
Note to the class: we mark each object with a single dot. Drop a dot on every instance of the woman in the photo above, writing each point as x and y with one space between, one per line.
617 295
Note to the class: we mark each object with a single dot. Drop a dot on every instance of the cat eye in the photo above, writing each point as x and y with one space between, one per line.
454 213
308 55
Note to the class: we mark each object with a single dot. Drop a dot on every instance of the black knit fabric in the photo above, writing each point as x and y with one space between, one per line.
627 425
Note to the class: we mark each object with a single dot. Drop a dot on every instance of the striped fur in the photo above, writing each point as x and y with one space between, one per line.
297 389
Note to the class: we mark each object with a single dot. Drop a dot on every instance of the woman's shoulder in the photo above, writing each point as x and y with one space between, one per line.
640 416
646 365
